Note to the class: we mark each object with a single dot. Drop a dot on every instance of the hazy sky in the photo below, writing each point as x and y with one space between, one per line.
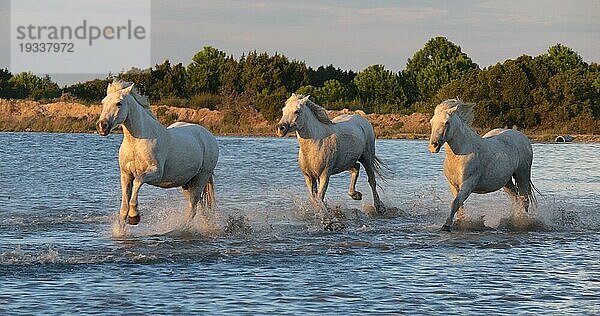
356 34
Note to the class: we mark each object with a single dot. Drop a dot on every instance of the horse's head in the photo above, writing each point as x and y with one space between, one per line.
445 117
291 112
114 106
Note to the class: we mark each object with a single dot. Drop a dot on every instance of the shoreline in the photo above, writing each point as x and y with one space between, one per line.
71 117
535 139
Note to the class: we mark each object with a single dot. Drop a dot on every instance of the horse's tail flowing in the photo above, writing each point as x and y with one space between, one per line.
381 169
208 195
531 194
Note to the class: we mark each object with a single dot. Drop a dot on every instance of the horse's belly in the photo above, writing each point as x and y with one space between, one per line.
166 184
488 185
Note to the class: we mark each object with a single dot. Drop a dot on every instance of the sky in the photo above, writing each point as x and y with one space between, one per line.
353 35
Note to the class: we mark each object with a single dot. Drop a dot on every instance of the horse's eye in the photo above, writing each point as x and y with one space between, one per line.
447 123
119 104
297 112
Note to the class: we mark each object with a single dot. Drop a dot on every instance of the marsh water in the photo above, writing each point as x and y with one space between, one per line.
266 252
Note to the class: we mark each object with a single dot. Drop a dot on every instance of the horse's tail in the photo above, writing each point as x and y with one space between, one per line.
208 195
381 169
531 194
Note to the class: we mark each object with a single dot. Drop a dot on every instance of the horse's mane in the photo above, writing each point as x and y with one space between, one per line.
463 109
319 111
118 85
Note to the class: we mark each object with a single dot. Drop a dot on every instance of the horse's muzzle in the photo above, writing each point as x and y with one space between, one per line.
282 129
103 127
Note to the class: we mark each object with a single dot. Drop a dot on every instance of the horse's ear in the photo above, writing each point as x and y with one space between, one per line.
304 99
293 94
127 90
108 89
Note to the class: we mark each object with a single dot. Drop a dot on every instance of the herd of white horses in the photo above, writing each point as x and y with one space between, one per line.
185 155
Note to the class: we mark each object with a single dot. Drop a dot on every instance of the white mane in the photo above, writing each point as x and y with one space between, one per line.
463 109
118 85
319 111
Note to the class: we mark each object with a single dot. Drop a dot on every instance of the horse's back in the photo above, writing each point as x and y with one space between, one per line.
189 136
354 124
512 141
509 136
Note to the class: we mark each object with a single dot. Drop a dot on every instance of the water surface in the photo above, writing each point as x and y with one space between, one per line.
59 195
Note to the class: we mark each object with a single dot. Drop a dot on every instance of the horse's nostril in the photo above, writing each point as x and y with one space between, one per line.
281 128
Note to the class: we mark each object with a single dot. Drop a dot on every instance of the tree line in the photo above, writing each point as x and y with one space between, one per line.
555 90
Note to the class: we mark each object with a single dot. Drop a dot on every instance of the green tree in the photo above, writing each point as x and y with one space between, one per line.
89 91
380 89
432 67
332 91
318 77
5 85
28 85
205 70
561 58
270 103
230 75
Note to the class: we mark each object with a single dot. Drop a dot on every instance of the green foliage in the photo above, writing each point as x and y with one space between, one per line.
532 93
434 66
269 104
561 58
380 89
205 70
28 85
318 77
5 85
92 91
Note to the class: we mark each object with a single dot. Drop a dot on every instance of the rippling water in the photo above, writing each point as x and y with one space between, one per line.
265 253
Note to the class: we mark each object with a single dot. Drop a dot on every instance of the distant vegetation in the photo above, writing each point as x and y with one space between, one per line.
554 91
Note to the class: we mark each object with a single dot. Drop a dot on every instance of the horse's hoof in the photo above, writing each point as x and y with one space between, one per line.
356 196
445 228
134 220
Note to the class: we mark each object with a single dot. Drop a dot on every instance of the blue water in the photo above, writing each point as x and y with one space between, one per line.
59 254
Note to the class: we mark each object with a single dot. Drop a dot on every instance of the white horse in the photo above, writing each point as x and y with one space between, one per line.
329 147
182 155
480 164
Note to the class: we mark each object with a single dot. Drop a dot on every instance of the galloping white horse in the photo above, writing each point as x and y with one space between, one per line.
182 155
329 147
480 164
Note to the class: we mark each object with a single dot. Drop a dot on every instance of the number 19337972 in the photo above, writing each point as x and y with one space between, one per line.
47 47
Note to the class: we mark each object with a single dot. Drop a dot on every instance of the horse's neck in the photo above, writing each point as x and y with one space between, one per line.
140 124
464 140
313 129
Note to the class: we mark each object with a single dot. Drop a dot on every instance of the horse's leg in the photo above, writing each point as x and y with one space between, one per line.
150 175
323 183
511 190
355 195
192 193
202 182
460 216
369 169
463 193
522 179
134 217
311 185
126 184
